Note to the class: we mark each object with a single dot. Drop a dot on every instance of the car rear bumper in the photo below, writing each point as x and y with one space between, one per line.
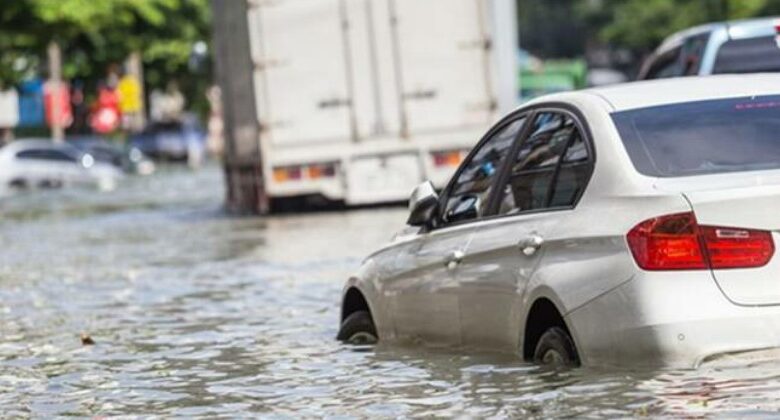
669 319
368 179
377 170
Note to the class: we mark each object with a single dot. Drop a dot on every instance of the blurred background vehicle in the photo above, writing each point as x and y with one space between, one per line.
130 159
29 164
114 263
178 141
744 46
360 101
604 77
541 77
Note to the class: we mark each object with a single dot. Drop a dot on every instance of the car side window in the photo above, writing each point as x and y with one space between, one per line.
45 154
692 53
551 168
468 195
27 154
33 154
61 156
666 65
751 55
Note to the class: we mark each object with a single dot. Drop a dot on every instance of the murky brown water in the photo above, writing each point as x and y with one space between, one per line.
198 314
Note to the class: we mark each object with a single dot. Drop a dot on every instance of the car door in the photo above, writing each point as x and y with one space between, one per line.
547 175
33 168
66 165
423 296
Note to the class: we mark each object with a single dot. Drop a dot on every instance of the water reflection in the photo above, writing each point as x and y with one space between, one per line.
198 314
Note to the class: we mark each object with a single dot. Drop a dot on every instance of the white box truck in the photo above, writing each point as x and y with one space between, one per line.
361 100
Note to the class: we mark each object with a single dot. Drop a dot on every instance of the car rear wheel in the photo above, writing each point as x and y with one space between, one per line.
358 328
556 348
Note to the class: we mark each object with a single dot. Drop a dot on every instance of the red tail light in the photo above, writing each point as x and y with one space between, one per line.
678 242
667 243
448 158
313 171
737 248
322 170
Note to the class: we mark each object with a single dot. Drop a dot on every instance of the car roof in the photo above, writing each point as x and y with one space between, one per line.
676 39
35 143
736 29
686 89
751 28
85 139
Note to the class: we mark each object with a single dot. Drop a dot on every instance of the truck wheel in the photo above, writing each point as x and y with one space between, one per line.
358 328
556 348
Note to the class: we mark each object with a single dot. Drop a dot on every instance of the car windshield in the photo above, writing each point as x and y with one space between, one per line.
695 138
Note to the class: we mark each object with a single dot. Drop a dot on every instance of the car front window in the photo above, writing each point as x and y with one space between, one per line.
468 197
666 65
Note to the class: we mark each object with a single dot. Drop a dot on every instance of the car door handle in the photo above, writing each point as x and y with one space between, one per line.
454 259
530 245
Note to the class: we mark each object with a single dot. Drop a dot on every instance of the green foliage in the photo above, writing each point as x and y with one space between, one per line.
95 34
641 24
549 28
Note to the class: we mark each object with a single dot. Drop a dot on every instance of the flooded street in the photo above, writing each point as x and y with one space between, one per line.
195 313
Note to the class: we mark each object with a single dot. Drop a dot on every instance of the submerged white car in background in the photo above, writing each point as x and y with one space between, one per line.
627 225
26 164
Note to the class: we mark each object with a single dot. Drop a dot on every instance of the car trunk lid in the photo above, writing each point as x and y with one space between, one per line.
747 208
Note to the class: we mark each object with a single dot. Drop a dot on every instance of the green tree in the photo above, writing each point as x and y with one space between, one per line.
94 34
641 25
551 28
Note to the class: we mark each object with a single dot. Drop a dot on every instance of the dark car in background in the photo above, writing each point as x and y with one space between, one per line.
746 46
129 159
181 141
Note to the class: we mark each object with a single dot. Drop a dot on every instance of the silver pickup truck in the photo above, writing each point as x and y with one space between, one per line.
746 46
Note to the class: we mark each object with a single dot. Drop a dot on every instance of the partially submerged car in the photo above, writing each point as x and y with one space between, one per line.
182 141
744 46
629 225
26 164
130 159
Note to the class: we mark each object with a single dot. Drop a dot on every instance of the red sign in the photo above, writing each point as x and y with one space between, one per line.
57 94
106 116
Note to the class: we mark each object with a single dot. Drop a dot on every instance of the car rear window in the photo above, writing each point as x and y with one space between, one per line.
751 55
695 138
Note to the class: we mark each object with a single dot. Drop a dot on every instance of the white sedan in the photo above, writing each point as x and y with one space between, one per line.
628 225
28 164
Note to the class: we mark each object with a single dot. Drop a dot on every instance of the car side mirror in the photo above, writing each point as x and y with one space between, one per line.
423 205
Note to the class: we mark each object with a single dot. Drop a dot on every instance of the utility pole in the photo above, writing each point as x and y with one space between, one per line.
55 86
235 71
135 69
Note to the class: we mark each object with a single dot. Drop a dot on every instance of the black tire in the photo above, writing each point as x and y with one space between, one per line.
19 184
556 348
358 328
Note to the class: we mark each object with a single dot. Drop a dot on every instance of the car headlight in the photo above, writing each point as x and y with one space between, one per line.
87 161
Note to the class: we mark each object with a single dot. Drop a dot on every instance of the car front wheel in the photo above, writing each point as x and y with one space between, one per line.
358 328
556 348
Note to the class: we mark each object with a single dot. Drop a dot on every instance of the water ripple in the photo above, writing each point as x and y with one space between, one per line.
196 314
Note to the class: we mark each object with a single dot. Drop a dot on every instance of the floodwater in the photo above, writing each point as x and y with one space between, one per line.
194 313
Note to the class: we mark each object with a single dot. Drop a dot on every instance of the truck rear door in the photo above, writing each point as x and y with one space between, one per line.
441 52
299 50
